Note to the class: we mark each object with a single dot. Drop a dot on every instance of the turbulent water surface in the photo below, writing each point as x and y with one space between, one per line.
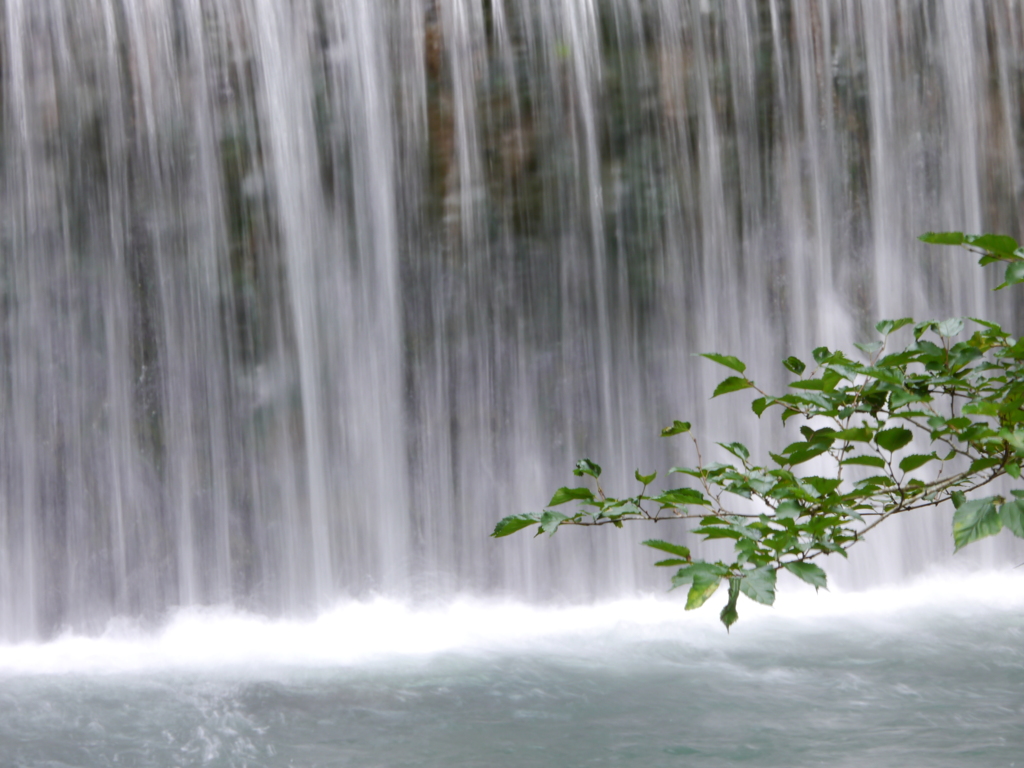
931 675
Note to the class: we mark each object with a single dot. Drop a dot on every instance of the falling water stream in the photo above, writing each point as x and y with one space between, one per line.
298 298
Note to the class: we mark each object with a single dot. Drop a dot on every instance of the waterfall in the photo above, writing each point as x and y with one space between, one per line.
298 298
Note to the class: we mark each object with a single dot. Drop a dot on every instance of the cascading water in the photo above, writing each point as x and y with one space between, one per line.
299 298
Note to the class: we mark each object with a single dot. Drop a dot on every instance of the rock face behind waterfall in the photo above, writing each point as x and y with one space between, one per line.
297 299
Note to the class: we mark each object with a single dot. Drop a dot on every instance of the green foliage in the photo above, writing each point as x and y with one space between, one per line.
897 430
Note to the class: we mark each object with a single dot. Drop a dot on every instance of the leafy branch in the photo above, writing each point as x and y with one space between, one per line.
934 421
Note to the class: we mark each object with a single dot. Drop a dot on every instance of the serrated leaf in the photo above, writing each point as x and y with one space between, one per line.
672 561
550 521
664 546
951 327
855 435
810 573
806 454
979 465
644 479
687 471
509 525
727 360
794 365
998 244
821 354
958 498
814 385
974 520
681 497
902 397
729 614
759 585
688 573
1014 275
563 495
737 449
760 405
893 439
942 238
888 375
921 327
714 532
870 348
885 327
677 428
703 586
1012 515
917 460
587 467
788 510
984 408
731 384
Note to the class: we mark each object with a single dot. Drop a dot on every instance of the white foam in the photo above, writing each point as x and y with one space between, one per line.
382 630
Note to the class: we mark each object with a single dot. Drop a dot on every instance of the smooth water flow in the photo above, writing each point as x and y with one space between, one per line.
297 299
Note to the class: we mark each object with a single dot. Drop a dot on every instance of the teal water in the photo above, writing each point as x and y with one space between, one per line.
929 676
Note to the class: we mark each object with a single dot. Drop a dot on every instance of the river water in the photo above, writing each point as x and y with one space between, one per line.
921 676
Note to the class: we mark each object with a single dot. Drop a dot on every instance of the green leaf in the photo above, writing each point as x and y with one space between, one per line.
687 574
1012 515
888 375
664 546
727 360
980 465
923 326
885 327
806 454
681 497
810 573
586 467
902 397
893 439
821 354
794 365
737 449
855 435
563 495
677 428
509 525
870 348
999 244
788 510
866 461
815 385
983 408
731 384
672 561
760 405
975 520
729 614
910 463
942 238
644 479
703 587
550 521
958 499
1014 275
951 327
759 585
